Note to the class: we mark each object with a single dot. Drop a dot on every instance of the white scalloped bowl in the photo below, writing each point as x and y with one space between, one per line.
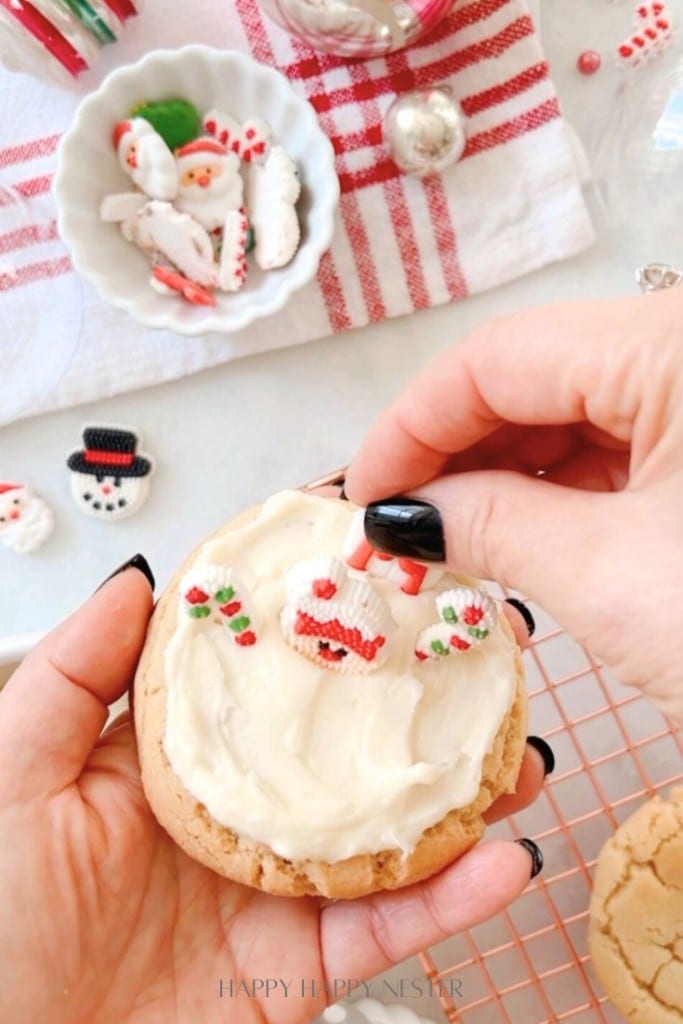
88 170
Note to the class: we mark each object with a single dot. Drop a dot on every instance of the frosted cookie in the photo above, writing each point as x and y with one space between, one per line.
291 734
636 914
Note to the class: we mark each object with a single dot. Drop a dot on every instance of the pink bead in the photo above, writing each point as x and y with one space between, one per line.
589 62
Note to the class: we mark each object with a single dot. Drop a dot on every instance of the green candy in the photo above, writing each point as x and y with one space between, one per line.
199 611
177 121
238 625
478 634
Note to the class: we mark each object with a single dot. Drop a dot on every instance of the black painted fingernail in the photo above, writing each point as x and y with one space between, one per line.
342 494
545 750
524 611
138 562
406 527
535 854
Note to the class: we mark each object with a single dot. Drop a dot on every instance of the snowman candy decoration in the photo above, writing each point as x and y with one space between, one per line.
26 521
110 480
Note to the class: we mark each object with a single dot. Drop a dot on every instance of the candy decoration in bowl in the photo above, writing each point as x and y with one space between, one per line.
58 39
358 28
26 520
260 163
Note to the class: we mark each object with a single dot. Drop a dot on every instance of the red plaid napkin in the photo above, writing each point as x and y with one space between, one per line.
510 205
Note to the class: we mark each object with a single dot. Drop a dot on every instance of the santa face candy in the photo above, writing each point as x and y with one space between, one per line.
109 479
291 738
211 195
26 521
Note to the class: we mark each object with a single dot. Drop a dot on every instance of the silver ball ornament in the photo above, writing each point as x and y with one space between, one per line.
358 28
424 131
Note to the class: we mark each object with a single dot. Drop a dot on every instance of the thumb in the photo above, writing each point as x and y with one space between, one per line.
55 705
529 535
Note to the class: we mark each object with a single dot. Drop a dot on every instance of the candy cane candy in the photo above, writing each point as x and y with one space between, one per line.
652 32
123 9
233 269
213 592
58 44
225 129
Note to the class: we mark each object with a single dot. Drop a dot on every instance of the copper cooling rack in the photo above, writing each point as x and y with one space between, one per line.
530 965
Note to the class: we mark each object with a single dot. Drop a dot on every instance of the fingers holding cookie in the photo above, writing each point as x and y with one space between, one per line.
362 938
532 775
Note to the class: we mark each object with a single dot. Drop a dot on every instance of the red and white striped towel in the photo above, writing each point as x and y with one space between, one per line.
512 204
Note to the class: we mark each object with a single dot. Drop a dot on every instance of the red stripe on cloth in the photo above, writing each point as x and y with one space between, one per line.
330 285
255 31
400 78
404 235
512 129
34 272
26 151
371 136
363 257
402 222
33 234
442 225
386 170
446 238
507 90
357 235
381 171
328 278
310 66
30 188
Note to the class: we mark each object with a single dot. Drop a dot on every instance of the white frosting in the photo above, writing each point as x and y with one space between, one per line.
312 763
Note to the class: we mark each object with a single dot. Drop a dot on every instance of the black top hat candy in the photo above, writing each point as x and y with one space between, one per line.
110 451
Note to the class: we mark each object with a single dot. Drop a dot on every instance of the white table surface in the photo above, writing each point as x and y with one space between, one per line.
230 436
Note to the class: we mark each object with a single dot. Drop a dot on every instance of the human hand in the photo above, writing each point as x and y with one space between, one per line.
550 444
104 919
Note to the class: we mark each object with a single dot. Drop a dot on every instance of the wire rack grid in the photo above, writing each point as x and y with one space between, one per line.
530 965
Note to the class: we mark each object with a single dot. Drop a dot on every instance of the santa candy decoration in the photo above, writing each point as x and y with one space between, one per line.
337 622
209 182
144 156
109 480
358 28
26 521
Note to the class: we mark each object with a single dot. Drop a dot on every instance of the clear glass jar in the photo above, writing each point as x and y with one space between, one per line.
57 40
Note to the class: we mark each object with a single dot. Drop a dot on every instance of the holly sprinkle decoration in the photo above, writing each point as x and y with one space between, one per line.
467 617
212 592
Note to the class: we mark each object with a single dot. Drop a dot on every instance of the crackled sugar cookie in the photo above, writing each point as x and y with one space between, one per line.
316 717
636 914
